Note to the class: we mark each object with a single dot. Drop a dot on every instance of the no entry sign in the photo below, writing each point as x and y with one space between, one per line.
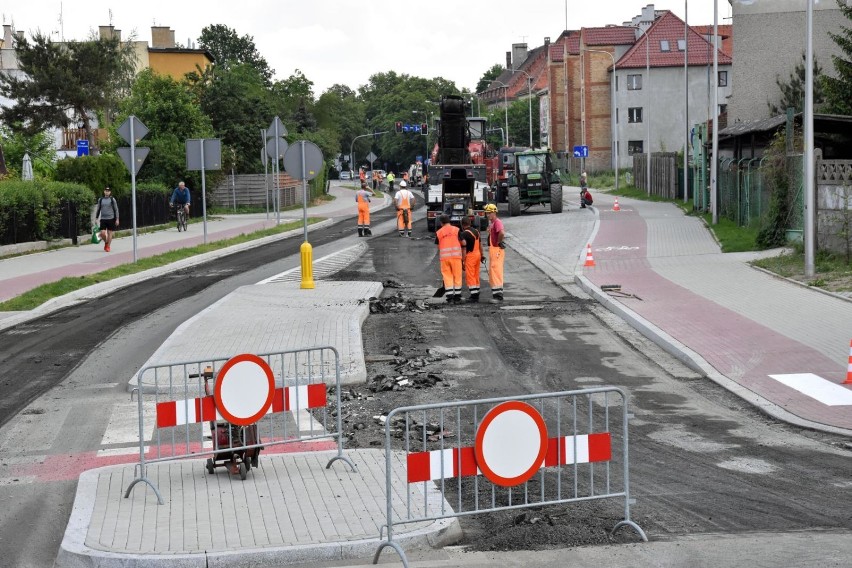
244 389
511 442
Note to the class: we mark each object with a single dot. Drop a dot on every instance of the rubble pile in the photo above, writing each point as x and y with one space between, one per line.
397 303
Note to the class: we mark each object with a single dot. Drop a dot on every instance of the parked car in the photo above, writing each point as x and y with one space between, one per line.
345 174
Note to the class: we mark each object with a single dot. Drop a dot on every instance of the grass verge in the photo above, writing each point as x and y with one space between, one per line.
39 295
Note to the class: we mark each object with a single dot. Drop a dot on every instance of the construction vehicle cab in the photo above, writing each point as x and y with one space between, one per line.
536 182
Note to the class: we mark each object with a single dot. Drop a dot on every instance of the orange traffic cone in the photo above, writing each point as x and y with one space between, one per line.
848 380
589 260
616 207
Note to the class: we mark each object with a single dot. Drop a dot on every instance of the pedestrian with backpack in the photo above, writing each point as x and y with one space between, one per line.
107 216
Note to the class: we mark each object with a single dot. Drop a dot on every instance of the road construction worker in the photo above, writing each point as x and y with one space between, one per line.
362 175
451 255
496 252
390 179
375 180
362 198
472 258
584 187
404 201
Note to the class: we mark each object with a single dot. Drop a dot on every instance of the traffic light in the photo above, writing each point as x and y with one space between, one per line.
398 127
424 129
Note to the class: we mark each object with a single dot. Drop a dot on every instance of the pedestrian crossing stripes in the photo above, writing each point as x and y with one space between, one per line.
814 386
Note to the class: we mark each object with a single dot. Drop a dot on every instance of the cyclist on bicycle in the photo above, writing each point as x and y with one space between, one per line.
181 196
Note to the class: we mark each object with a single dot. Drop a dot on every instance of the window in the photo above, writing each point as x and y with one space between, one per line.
723 78
723 109
681 45
634 114
635 147
634 82
664 45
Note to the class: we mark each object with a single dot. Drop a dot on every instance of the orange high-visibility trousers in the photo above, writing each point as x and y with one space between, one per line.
496 255
451 271
471 270
363 213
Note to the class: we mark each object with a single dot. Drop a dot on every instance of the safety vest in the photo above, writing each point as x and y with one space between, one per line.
402 198
448 242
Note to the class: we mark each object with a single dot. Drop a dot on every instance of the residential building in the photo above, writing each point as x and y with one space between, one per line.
769 39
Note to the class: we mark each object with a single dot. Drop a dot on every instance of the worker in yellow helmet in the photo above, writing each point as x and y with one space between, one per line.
496 252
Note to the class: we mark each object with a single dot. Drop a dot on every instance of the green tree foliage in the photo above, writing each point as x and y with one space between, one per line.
838 90
39 146
389 97
172 115
519 122
289 96
64 82
229 48
492 73
239 105
340 112
793 90
95 173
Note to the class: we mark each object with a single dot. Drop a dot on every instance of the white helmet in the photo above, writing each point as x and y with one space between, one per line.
403 184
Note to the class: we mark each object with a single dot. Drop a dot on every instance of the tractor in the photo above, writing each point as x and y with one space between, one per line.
536 182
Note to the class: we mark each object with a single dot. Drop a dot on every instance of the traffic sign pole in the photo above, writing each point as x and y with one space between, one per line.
306 249
133 184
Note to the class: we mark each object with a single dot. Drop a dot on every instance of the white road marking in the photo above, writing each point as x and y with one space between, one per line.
123 428
814 386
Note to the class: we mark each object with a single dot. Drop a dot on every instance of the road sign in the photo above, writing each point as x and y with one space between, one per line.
371 157
581 151
82 147
511 442
212 154
282 130
270 147
312 160
244 389
140 155
139 130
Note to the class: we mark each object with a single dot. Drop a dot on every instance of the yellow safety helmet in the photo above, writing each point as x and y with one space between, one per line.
491 208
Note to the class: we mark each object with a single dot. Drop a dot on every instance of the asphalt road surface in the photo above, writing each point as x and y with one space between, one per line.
701 460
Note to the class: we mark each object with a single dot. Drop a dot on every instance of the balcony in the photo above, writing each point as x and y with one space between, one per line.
71 135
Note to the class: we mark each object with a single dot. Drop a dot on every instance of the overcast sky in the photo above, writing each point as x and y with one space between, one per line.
336 41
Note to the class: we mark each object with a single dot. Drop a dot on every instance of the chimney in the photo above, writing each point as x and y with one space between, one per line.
162 37
519 54
546 41
20 34
105 32
7 36
508 60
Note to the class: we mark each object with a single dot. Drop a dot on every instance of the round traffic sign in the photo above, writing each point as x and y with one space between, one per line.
511 442
244 389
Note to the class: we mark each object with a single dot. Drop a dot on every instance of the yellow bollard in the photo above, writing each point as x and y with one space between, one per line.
307 266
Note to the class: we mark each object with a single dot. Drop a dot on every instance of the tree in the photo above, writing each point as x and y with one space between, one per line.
239 105
793 91
39 146
341 112
172 115
228 48
838 90
61 83
493 72
519 122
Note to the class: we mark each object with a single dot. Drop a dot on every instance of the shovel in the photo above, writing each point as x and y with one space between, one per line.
439 293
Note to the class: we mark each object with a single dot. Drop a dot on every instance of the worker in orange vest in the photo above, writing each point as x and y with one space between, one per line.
451 255
404 200
472 258
362 198
361 175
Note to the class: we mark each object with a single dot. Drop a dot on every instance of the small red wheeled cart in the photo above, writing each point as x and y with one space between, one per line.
229 441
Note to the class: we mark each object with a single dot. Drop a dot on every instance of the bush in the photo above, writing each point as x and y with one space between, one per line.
38 210
96 173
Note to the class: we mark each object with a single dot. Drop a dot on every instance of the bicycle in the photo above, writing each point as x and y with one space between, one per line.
180 213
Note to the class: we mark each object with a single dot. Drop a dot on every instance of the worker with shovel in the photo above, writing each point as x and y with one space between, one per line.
451 255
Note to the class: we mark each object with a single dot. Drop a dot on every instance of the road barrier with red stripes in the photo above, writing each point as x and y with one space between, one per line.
284 394
482 456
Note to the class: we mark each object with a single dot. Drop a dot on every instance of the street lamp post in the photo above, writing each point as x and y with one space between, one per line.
505 106
612 119
529 97
647 116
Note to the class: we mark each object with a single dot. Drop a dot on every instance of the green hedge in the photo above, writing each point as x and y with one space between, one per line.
35 210
96 173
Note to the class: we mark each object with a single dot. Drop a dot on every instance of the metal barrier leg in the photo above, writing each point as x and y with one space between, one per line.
144 479
396 547
627 523
340 456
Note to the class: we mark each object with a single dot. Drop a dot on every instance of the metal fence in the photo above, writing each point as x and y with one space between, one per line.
175 406
507 453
